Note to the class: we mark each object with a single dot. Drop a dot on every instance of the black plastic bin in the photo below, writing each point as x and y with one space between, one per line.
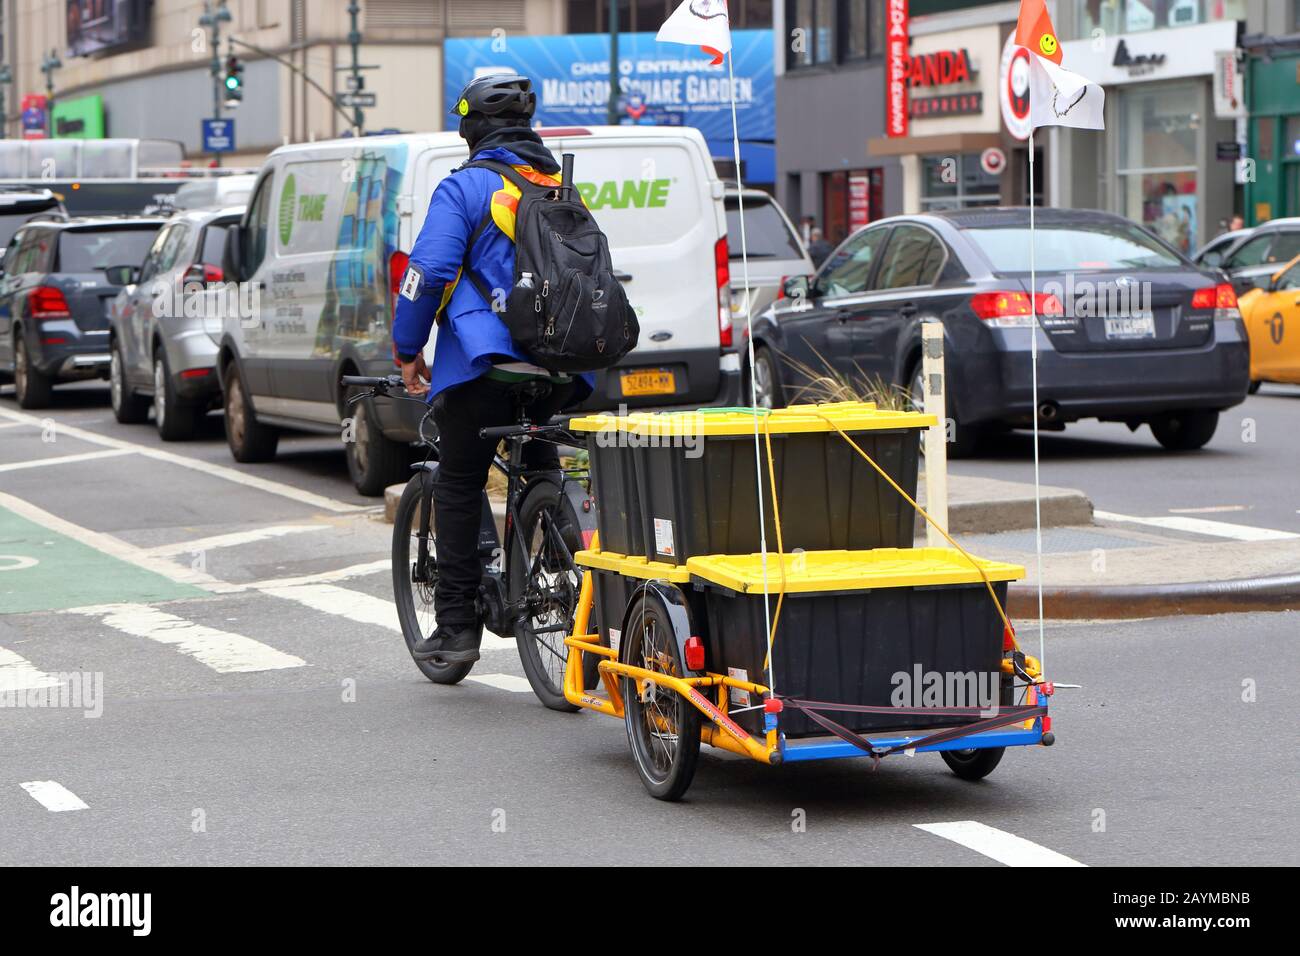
829 497
846 644
611 591
619 518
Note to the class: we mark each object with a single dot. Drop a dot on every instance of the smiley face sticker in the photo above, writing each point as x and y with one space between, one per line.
1047 45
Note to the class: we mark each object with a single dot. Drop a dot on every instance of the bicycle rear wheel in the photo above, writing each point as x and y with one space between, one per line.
414 581
545 582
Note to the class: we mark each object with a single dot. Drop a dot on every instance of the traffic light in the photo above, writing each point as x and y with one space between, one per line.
234 80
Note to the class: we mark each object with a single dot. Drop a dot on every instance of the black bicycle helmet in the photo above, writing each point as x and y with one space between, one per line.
497 94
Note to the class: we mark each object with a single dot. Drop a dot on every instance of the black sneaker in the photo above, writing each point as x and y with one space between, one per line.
449 645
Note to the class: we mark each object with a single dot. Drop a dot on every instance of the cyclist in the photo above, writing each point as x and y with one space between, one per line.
479 378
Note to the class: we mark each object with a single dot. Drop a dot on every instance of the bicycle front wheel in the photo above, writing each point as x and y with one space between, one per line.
414 580
544 586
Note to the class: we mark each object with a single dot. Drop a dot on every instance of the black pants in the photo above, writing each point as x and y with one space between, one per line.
464 460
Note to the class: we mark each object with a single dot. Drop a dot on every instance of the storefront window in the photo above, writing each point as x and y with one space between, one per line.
955 182
1159 135
1136 16
851 199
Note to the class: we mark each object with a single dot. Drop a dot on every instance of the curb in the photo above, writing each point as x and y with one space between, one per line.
1274 593
1060 510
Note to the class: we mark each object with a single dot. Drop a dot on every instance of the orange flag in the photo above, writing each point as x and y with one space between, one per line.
1034 31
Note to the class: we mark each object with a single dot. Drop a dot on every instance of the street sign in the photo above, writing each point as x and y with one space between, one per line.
218 135
356 82
355 99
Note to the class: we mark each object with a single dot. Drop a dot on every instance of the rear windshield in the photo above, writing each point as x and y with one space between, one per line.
214 244
82 250
10 221
766 234
1102 246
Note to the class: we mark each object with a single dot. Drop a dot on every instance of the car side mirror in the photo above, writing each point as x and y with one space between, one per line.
796 287
231 266
120 275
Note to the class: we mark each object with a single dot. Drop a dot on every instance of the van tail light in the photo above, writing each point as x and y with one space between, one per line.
47 302
1222 298
1012 309
780 288
722 272
397 264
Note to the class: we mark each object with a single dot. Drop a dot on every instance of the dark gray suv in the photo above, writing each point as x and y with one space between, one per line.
55 299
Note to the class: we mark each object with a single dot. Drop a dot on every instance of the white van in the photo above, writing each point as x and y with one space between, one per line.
324 244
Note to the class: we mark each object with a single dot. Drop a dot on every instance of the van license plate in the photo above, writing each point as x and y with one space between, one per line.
652 381
1131 327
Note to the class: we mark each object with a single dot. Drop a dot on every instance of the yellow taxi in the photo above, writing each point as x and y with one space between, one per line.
1272 317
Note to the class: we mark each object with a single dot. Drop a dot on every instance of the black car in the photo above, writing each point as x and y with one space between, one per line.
55 299
19 205
1251 261
1132 331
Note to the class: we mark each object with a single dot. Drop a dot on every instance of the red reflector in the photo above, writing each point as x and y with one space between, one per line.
588 535
1008 638
547 132
196 372
47 302
694 654
722 274
1047 723
57 341
773 705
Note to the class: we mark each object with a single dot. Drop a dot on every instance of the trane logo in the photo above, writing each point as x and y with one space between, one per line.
629 193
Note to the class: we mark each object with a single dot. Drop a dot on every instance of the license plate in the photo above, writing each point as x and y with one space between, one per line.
1131 327
652 381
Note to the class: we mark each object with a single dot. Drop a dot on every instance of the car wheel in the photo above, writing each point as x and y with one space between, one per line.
1254 386
176 419
374 460
963 440
767 390
249 439
128 407
1186 430
32 388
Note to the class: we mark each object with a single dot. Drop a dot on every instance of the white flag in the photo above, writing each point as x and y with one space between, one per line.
1058 97
702 23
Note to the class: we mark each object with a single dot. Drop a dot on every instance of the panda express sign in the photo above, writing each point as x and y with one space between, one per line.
943 68
897 68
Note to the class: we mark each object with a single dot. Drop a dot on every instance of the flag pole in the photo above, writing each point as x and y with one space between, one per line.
753 388
1033 374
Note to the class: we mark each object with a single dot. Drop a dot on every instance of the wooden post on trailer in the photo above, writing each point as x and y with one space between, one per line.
936 437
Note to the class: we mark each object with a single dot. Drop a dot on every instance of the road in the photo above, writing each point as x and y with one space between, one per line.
1246 475
258 705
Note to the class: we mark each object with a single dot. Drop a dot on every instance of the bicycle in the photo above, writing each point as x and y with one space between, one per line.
531 588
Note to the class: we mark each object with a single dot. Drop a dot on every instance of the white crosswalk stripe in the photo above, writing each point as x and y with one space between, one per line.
54 796
516 685
222 651
17 673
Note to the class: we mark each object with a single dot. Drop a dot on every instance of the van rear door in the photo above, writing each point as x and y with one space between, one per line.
654 196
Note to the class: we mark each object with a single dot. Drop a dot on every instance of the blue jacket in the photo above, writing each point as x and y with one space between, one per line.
472 336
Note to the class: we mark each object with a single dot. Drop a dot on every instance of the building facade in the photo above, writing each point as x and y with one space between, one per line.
1272 75
153 78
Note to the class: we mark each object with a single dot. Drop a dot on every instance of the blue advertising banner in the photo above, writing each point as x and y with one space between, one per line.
660 83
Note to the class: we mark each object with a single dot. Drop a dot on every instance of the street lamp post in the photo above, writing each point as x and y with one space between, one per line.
6 78
48 66
354 41
212 18
613 63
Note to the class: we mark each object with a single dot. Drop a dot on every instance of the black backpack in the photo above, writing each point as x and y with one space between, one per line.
574 315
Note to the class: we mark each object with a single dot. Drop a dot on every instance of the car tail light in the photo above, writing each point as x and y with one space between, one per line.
1011 309
196 372
722 272
397 264
204 273
780 288
694 654
47 302
1222 298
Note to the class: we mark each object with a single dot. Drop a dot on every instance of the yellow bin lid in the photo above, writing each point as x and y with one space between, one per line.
797 419
811 571
632 567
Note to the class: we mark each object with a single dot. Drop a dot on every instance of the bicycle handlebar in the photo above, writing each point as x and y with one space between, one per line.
498 432
372 381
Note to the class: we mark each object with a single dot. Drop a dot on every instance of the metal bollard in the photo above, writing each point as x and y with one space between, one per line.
936 437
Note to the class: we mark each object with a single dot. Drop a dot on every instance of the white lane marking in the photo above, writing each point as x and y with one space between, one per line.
18 673
516 685
1210 510
324 577
224 652
208 468
997 844
231 540
12 424
67 459
362 608
54 796
111 546
1218 529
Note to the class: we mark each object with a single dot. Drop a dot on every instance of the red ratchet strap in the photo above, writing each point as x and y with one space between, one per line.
1006 715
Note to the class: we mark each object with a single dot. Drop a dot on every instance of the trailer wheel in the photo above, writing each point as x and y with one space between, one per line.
663 728
973 764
